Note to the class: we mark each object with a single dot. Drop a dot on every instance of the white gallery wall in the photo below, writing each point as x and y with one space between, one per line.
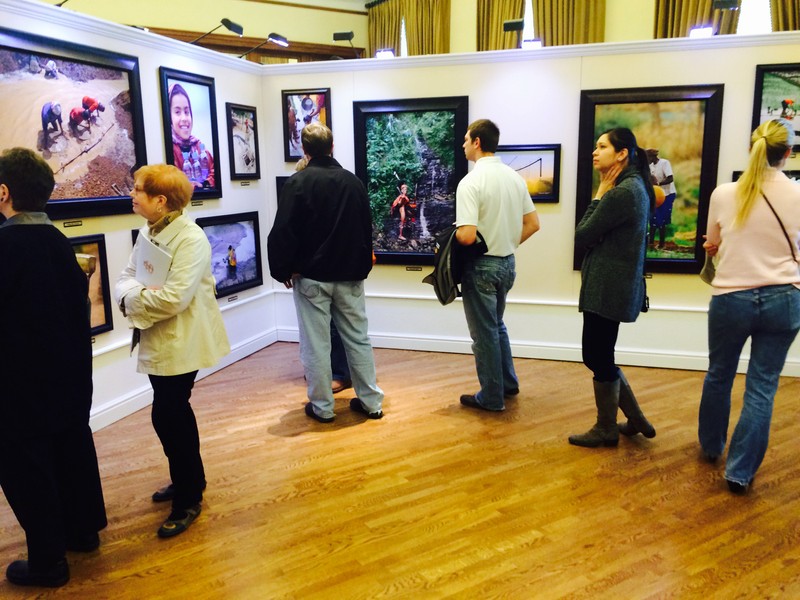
532 95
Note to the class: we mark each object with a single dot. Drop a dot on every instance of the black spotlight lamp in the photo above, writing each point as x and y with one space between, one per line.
275 38
341 36
514 25
228 24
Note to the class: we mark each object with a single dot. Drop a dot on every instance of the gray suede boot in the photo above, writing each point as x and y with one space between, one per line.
637 422
604 432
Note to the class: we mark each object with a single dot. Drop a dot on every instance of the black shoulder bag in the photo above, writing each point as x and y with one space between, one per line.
786 235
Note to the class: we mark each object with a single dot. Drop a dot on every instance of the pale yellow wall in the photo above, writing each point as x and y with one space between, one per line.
258 19
626 20
629 20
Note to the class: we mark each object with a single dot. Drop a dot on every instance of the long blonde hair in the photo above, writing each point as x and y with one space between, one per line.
768 146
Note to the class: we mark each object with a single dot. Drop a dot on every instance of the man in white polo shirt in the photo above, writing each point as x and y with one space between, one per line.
492 199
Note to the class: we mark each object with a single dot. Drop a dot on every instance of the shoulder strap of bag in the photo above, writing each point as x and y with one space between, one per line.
786 235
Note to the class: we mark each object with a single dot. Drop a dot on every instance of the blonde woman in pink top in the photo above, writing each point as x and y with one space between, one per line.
753 229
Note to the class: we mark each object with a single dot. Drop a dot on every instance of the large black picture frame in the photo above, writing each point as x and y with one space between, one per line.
94 158
777 94
417 142
684 123
94 246
200 90
238 233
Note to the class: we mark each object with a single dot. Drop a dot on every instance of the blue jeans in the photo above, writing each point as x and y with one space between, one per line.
770 316
317 302
485 284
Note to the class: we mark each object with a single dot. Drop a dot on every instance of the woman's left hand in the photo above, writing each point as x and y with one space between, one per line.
608 179
711 249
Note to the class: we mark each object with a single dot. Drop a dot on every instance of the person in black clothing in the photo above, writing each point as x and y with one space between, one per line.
48 463
321 247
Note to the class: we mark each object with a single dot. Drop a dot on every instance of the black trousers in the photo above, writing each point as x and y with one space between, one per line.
176 427
597 344
52 484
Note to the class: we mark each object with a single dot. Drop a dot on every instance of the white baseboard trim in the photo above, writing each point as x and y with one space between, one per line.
690 361
142 397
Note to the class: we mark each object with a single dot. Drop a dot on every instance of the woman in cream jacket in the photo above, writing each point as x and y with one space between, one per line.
178 326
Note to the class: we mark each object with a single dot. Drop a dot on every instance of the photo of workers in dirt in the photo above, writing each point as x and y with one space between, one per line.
78 115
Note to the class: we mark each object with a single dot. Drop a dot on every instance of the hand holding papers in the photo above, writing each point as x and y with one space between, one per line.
152 263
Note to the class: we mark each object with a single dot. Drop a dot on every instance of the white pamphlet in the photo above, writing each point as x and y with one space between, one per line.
152 263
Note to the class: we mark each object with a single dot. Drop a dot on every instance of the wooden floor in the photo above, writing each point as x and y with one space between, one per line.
437 500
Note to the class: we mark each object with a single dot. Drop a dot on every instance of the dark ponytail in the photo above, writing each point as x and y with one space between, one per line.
622 137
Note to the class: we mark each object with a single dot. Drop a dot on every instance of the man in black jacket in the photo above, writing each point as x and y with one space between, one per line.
321 247
48 464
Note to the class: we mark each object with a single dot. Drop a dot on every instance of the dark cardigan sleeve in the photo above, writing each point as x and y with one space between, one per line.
615 208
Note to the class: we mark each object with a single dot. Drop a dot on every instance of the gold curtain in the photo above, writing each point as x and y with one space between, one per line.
785 15
563 22
427 26
383 26
491 15
675 18
726 21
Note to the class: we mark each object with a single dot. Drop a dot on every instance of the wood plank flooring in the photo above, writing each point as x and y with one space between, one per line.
437 500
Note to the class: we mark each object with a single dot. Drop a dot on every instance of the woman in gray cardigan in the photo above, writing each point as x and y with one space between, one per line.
612 234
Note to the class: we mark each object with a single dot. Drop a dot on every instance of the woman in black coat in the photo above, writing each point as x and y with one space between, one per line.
613 234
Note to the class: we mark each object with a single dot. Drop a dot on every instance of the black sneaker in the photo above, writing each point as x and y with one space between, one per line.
165 494
310 413
357 406
472 402
740 489
19 572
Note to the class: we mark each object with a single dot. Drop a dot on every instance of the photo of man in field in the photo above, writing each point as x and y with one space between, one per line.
673 133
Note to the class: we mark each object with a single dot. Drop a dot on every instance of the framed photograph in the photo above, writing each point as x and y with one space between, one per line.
90 250
778 95
81 109
680 126
243 141
408 154
539 165
235 251
189 109
301 107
